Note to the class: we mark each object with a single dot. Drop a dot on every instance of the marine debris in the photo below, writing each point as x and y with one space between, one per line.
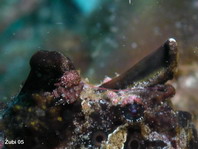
57 109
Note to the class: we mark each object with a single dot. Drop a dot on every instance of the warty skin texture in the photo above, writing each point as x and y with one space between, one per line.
57 109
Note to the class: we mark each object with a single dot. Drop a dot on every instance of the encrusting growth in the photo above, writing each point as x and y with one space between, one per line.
57 109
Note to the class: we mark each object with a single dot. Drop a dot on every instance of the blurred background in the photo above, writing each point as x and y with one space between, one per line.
102 37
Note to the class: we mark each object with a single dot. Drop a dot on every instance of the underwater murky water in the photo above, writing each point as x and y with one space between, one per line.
102 37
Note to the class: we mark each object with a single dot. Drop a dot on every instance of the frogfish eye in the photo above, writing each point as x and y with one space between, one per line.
133 112
133 144
98 137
